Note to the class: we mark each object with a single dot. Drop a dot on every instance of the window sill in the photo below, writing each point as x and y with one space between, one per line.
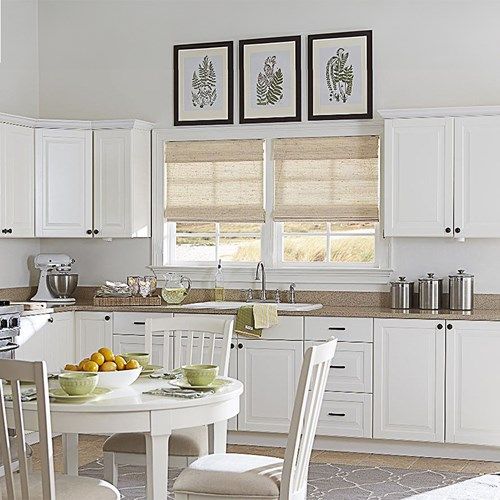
306 278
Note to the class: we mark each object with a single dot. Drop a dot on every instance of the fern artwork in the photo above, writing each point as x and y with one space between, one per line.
204 84
269 87
339 76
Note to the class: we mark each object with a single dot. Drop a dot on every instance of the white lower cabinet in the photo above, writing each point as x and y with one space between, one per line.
135 343
269 370
93 331
472 378
409 380
48 337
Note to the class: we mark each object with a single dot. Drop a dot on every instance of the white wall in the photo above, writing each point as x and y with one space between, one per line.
18 95
113 58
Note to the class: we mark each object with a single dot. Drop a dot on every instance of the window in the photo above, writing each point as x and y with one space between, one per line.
321 208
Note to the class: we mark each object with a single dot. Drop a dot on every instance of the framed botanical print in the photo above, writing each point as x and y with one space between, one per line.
270 88
203 84
340 76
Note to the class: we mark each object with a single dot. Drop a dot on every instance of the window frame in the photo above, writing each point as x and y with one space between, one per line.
310 275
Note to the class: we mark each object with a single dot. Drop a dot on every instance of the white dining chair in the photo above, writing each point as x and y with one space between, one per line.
45 484
195 340
226 476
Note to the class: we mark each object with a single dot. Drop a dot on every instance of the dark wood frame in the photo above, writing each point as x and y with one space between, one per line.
230 83
298 79
369 80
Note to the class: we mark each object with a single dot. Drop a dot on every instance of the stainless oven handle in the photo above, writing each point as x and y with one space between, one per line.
9 347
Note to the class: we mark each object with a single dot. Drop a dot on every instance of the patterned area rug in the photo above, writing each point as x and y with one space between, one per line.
326 481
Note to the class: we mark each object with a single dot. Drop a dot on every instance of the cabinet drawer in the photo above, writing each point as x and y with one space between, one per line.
351 368
345 329
348 415
288 328
133 323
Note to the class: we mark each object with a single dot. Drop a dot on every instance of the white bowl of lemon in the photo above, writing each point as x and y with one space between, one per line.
114 371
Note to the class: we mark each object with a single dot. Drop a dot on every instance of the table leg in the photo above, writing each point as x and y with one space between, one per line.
70 454
156 466
217 437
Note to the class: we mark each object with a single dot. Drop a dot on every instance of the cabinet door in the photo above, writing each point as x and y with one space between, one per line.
93 331
269 370
472 376
63 183
477 175
135 343
112 203
59 341
30 339
409 380
17 181
418 160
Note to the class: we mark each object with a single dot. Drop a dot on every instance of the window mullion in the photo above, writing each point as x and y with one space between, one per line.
217 241
267 240
328 242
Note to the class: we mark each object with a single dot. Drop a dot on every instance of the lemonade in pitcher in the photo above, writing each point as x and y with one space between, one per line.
175 289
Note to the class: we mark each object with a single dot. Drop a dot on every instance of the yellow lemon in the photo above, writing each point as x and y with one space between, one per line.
108 366
107 353
90 366
73 368
132 363
120 363
82 362
98 358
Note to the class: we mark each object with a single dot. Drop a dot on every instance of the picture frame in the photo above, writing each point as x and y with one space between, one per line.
203 84
340 76
270 88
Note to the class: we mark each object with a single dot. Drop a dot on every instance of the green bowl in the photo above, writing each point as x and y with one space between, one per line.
141 357
200 375
78 384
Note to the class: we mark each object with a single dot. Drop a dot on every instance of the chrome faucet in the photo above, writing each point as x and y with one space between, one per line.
261 275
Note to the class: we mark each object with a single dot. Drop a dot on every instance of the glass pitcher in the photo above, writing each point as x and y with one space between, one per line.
176 288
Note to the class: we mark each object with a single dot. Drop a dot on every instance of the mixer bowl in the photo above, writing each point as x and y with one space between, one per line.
62 285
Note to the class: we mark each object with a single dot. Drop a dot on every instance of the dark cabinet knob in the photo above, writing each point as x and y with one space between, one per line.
96 231
9 231
232 345
440 326
448 230
51 320
240 346
449 326
107 318
89 231
457 230
4 231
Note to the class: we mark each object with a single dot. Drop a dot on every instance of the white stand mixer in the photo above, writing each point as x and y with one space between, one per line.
57 265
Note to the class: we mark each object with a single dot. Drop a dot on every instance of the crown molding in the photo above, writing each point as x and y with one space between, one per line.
18 120
439 112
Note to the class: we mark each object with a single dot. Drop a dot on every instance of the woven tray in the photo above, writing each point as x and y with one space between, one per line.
154 300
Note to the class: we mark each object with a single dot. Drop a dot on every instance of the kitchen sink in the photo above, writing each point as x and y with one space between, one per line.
298 307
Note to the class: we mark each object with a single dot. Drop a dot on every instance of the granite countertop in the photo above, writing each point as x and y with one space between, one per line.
328 310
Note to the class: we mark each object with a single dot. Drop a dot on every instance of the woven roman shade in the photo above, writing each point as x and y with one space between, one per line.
214 181
326 179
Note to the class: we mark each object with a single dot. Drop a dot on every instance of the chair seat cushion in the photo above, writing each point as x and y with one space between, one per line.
191 442
232 475
74 487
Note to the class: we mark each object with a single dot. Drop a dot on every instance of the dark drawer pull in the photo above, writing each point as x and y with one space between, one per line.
337 328
139 322
331 414
338 367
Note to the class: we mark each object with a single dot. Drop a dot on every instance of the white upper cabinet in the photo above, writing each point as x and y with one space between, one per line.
122 183
63 183
441 169
419 177
477 176
17 182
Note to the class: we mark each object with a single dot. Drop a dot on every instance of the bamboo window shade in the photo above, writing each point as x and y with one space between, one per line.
326 179
214 181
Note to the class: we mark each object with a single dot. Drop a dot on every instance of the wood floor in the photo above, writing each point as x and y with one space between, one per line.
90 449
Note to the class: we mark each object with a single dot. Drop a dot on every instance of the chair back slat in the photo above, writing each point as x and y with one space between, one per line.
195 340
21 441
306 411
16 371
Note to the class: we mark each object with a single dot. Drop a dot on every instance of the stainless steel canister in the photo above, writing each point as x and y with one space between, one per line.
430 292
401 293
461 291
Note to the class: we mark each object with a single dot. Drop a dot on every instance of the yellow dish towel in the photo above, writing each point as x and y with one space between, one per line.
245 324
265 315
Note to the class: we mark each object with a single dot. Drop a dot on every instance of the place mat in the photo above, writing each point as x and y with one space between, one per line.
26 395
170 392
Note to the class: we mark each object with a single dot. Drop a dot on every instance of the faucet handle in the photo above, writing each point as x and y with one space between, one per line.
277 296
248 294
291 293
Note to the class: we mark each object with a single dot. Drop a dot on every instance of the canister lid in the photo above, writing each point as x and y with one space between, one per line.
461 274
430 277
401 281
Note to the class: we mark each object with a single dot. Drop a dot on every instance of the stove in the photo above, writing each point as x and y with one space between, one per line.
10 328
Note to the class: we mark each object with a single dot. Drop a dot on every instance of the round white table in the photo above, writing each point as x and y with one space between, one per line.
129 410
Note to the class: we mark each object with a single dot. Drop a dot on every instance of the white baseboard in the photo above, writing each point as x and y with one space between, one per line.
380 446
